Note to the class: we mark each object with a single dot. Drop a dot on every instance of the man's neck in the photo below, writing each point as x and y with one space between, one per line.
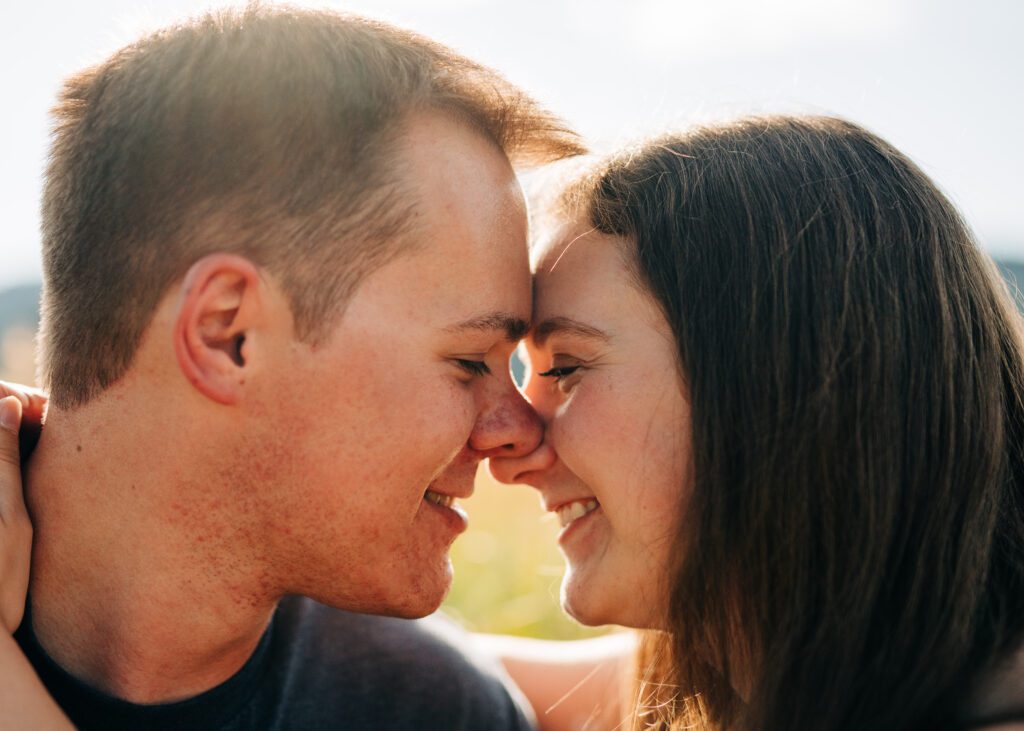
141 586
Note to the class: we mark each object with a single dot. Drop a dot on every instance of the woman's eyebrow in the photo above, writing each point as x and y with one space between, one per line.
548 327
512 326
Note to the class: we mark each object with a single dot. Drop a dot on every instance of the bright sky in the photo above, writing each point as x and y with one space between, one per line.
941 79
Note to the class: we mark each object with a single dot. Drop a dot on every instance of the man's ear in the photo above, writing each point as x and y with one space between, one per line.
221 301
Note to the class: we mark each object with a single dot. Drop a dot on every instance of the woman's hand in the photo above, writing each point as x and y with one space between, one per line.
24 702
33 405
15 527
21 415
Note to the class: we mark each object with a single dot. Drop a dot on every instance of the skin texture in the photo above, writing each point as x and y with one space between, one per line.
235 464
617 427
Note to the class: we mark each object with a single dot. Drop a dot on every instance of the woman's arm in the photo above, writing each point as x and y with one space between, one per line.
571 685
24 702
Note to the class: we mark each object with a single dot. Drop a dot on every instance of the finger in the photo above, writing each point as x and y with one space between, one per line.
11 498
33 402
32 399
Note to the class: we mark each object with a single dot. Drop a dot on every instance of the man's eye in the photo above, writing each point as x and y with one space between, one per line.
559 373
475 367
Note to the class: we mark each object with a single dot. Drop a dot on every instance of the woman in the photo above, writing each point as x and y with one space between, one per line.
783 392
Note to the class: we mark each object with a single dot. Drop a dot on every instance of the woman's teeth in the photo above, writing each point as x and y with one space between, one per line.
445 501
571 511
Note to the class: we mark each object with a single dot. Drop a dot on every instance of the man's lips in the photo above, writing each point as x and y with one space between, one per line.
444 505
446 497
445 501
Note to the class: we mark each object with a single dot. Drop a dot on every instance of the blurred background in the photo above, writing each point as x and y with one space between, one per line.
939 79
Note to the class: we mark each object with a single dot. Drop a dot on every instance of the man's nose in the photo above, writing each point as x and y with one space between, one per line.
522 466
509 428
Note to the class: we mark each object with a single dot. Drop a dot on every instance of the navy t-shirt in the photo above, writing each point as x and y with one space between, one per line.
320 668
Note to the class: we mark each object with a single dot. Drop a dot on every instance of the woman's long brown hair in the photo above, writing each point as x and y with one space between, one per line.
851 550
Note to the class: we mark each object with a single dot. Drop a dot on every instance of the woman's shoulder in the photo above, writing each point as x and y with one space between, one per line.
1014 723
997 703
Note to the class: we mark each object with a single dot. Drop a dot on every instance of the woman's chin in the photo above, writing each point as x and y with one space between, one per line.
580 615
591 606
585 605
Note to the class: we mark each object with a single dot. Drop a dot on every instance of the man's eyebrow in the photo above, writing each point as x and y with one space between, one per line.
515 328
546 328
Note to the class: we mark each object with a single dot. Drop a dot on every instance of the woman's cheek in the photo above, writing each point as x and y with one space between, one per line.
587 434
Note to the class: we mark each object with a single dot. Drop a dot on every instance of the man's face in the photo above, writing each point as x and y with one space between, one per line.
407 396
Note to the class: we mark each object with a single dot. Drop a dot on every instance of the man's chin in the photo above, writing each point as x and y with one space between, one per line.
425 599
406 608
412 597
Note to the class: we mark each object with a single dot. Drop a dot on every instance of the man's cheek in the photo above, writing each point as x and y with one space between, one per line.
442 412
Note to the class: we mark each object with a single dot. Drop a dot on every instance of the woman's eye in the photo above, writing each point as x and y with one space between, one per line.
559 373
474 367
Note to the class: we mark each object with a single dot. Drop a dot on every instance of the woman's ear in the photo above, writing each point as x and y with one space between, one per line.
220 303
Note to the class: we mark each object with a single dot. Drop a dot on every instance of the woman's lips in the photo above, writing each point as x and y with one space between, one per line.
574 510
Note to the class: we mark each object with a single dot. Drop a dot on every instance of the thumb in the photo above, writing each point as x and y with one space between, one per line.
10 459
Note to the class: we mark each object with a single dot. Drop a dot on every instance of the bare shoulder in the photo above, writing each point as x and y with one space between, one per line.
998 702
570 685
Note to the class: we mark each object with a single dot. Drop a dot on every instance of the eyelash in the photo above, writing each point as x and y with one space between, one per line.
473 367
559 373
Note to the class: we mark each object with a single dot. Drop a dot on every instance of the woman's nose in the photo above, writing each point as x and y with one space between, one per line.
523 469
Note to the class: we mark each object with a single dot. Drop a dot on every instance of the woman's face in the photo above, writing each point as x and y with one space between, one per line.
615 459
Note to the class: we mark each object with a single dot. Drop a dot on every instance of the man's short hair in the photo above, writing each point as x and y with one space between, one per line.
268 132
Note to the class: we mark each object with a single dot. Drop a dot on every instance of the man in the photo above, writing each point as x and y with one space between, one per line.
285 267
